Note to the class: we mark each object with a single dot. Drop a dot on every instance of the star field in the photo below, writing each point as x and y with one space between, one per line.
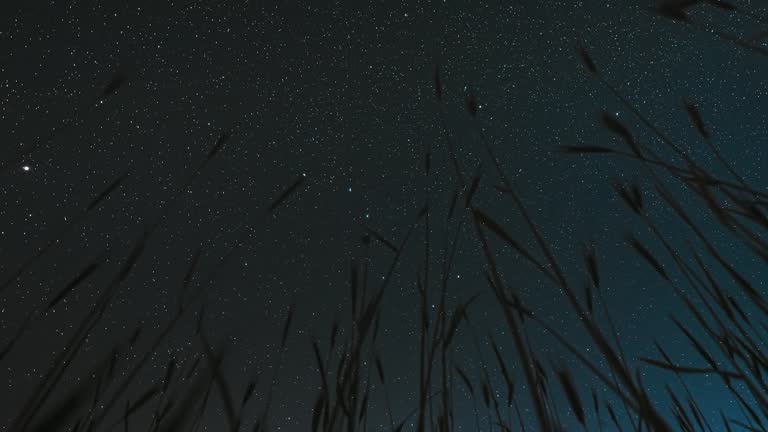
338 99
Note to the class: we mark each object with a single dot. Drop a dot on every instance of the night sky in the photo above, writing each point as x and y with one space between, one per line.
338 98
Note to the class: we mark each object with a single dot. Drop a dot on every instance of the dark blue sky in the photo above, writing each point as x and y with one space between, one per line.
343 92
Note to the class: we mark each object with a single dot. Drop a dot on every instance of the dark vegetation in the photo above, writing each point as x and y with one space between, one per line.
725 320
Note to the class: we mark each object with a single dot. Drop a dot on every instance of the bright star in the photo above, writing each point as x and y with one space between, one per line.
26 168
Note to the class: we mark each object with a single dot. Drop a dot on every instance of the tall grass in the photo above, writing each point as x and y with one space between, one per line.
602 387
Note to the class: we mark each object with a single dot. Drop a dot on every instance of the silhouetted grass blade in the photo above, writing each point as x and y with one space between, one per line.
586 59
676 10
117 81
473 189
472 104
220 142
586 149
613 124
590 260
133 257
106 192
632 196
170 368
566 381
287 326
66 410
465 379
82 276
695 117
382 240
287 193
647 256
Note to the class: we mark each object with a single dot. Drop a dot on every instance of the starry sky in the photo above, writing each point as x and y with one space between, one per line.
341 96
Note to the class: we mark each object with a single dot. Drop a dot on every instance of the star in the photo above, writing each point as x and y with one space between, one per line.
26 168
